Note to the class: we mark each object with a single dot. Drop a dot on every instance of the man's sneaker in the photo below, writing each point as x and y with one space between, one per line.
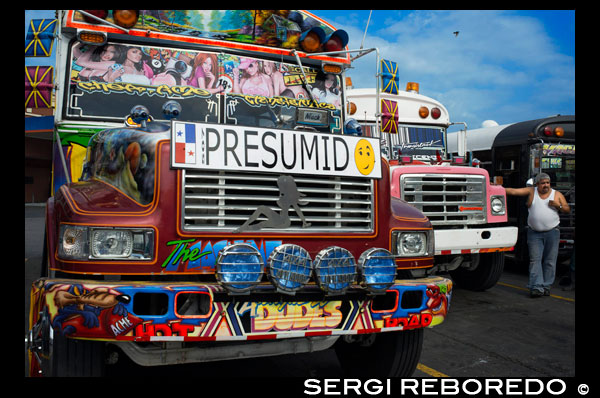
546 292
535 293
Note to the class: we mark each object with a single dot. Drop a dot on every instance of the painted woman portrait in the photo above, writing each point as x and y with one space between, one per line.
204 74
131 68
253 80
97 61
326 89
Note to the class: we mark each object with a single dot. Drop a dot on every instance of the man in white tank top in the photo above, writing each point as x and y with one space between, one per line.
543 236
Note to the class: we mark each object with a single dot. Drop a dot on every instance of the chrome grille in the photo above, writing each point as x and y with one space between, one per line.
223 201
446 199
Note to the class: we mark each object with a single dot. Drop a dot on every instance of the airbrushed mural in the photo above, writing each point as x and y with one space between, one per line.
191 312
124 159
274 28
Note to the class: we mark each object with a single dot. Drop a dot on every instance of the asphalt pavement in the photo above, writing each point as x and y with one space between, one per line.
497 333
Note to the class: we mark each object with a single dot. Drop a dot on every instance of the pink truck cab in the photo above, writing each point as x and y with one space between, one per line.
467 211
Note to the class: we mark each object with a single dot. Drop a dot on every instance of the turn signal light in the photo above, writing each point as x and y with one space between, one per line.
95 38
332 68
559 131
423 112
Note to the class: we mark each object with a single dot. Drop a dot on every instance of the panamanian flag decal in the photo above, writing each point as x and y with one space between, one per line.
185 143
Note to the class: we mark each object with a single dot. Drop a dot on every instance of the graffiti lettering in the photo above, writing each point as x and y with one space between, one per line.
412 322
182 253
295 316
259 100
201 255
163 90
174 328
121 326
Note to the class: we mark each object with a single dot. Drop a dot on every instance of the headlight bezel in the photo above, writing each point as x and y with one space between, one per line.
142 243
400 249
502 200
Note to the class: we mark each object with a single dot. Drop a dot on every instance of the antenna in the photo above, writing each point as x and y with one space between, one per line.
367 27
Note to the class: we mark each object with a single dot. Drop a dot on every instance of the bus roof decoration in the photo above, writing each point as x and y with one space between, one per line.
38 86
40 37
389 116
389 77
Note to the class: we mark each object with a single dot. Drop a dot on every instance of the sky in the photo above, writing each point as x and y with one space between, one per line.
506 66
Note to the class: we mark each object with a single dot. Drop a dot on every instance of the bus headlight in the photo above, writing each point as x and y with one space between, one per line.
73 243
88 243
412 243
498 207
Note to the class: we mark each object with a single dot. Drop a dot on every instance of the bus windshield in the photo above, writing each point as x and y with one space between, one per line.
106 81
422 143
558 161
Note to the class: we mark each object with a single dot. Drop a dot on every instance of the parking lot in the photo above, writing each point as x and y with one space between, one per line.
497 333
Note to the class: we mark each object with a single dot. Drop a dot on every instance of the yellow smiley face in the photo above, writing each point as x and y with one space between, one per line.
364 157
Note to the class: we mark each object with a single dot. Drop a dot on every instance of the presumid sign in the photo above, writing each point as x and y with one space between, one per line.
223 147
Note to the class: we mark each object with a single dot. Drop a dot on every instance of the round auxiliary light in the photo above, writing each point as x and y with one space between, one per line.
289 267
436 113
312 39
351 108
239 267
335 270
378 269
423 112
548 131
126 18
336 41
559 131
102 14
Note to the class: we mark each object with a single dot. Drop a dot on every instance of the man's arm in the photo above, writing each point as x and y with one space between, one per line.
519 191
559 203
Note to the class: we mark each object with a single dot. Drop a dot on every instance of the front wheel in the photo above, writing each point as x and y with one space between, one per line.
485 276
77 358
53 354
388 354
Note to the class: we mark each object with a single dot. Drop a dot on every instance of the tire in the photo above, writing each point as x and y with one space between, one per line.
484 277
76 358
392 354
44 267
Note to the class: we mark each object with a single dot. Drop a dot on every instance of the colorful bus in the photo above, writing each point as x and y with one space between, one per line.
212 201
